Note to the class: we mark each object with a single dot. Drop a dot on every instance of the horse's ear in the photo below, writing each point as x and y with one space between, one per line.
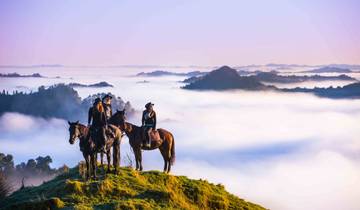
77 122
69 122
124 110
117 110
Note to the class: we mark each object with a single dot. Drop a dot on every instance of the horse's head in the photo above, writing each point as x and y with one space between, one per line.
74 131
119 118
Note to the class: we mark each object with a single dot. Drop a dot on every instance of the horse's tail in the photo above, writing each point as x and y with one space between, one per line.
172 158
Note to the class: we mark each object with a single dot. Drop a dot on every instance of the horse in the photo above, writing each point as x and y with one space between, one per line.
89 148
136 137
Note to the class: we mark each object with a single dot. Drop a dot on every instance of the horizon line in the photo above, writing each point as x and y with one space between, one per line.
166 66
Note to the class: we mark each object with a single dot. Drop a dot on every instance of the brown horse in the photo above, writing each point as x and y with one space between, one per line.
135 135
89 149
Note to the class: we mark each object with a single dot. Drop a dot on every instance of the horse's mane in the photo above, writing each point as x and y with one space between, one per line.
133 125
84 130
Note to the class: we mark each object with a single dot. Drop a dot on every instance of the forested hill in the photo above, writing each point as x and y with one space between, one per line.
60 101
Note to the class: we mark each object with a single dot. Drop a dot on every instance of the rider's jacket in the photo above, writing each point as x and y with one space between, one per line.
107 110
98 118
149 119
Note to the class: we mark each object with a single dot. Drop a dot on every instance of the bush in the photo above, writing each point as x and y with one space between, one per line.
5 187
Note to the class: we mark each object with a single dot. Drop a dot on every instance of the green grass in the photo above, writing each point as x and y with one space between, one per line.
127 190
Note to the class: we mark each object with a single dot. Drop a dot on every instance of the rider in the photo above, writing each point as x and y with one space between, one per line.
148 122
106 101
107 106
99 123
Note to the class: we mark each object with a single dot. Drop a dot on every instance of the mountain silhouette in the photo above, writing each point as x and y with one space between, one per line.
226 78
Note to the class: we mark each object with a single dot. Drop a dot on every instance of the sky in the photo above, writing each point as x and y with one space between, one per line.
179 32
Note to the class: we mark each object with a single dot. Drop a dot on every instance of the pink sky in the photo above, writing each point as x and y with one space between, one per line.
179 32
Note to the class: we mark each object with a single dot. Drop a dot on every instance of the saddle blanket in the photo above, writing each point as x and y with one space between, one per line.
155 136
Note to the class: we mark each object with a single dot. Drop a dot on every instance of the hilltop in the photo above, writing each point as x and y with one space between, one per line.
95 85
127 190
225 78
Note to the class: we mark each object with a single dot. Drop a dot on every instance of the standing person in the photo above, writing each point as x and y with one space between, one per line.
97 118
148 122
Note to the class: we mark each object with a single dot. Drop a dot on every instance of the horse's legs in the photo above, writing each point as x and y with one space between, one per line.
162 149
102 159
168 153
108 161
169 166
93 164
140 160
116 154
136 157
87 161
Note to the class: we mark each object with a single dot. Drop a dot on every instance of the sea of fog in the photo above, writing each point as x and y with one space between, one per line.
281 150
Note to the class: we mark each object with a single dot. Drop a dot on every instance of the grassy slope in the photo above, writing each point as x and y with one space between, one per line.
127 190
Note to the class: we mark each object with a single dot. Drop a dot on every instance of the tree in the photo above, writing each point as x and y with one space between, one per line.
6 163
31 165
43 163
4 186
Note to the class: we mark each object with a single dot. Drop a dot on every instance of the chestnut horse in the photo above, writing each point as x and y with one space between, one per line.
89 149
136 138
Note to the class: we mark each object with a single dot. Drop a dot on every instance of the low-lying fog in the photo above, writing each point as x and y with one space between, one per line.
284 151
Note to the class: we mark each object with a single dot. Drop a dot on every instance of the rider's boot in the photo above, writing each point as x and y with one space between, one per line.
148 141
103 143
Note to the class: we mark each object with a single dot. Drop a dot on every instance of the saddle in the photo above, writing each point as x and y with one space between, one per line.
155 136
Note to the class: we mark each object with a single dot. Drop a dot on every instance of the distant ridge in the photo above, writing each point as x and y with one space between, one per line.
329 69
226 78
351 91
14 75
95 85
160 73
273 77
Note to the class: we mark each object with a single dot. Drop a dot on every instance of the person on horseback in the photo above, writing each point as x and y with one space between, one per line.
106 100
97 116
148 122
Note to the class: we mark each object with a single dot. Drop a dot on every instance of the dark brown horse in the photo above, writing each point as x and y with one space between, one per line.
89 149
136 135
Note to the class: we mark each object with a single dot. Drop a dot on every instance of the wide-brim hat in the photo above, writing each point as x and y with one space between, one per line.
107 96
97 100
149 104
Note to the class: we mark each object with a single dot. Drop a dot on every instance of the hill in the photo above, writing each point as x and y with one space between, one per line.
95 85
225 78
351 91
160 73
329 69
37 75
127 190
59 101
273 77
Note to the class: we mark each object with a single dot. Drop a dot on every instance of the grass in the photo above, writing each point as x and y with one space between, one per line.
127 190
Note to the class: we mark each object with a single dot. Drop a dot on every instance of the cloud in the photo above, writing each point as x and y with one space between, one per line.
284 151
27 137
325 180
